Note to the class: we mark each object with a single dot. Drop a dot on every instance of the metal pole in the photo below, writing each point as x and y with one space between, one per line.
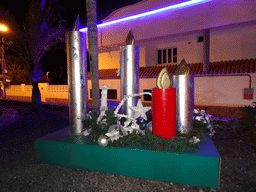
3 70
206 49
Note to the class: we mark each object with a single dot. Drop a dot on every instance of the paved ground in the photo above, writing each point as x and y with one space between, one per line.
21 125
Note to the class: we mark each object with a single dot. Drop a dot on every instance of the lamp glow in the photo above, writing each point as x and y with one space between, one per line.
171 7
3 28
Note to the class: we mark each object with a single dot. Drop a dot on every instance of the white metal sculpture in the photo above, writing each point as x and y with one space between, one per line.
104 102
130 124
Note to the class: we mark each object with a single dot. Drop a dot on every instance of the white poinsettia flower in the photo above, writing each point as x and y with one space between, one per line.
205 118
127 130
211 132
199 118
86 132
194 140
202 112
196 111
113 135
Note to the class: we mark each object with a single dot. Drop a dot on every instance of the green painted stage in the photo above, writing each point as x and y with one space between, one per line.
201 168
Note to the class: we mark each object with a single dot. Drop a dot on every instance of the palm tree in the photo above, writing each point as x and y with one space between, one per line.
34 38
93 51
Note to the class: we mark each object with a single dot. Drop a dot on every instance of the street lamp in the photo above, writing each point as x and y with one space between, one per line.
3 28
3 31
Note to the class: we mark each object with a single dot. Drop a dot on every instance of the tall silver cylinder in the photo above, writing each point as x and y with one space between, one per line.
184 85
129 76
77 80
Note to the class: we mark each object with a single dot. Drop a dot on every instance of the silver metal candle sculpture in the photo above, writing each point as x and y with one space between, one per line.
184 84
129 73
77 78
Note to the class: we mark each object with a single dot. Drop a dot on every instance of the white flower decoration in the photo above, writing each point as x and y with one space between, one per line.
199 118
202 112
196 111
86 132
113 135
194 140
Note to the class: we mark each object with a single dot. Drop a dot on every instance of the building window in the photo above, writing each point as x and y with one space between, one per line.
165 56
147 97
159 56
112 93
200 39
174 59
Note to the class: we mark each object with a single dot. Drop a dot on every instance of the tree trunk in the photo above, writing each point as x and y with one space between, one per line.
93 51
36 104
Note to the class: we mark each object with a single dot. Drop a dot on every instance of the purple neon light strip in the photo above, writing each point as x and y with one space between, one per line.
175 6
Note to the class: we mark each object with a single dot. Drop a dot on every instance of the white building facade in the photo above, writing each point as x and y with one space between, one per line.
220 32
180 31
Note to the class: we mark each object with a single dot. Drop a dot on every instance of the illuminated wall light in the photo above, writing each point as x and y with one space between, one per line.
171 7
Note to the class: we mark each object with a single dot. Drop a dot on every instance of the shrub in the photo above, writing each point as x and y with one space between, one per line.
248 122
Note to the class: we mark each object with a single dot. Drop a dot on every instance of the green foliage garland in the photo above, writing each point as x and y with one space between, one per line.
101 128
180 143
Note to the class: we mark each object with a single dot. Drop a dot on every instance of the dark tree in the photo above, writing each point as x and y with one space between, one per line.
35 37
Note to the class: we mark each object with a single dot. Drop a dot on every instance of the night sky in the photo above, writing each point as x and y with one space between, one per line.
72 8
54 61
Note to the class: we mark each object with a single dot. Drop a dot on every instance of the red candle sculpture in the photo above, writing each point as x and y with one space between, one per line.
164 107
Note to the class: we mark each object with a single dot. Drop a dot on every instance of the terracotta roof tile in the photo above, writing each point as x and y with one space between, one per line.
220 67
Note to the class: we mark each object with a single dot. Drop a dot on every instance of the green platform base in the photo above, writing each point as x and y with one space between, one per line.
200 169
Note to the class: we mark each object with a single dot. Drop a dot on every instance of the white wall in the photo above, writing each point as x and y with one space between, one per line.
221 90
111 83
226 43
232 43
187 47
109 57
214 91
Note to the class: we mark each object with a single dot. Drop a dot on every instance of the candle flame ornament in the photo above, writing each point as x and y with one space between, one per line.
130 39
163 80
183 68
184 84
129 73
77 78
